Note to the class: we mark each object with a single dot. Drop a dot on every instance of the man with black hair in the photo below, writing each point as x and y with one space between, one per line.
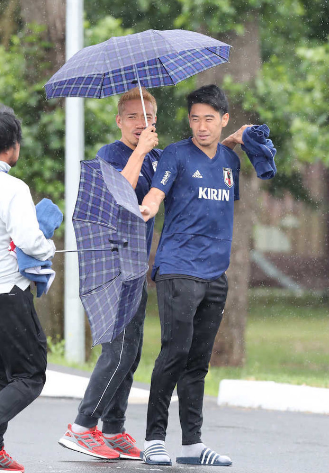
23 344
199 180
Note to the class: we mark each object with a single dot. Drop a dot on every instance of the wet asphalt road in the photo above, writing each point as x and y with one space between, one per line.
257 441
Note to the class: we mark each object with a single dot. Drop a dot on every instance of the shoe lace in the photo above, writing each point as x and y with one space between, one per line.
98 436
128 437
3 453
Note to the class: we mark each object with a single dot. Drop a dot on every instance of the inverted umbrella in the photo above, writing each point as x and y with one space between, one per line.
107 220
152 58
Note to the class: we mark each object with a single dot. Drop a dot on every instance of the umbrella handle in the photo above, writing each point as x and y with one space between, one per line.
122 243
141 94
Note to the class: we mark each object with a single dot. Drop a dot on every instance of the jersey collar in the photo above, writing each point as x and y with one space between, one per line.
4 167
210 160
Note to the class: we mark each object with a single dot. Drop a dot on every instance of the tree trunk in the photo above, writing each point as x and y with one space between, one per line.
8 21
51 14
50 307
229 348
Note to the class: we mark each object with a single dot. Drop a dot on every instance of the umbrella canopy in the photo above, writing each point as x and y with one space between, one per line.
152 58
111 239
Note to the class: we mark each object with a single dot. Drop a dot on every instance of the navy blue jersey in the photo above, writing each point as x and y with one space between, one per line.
199 205
117 154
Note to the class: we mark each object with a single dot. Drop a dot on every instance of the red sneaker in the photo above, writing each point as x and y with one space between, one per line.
8 464
90 442
124 444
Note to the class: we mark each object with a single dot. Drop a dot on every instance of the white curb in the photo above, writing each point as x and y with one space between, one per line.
275 396
72 386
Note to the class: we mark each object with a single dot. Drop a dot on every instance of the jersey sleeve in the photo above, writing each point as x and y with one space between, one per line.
23 227
167 170
110 157
156 152
264 167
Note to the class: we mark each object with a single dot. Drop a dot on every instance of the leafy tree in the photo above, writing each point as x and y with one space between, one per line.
272 90
289 91
25 68
43 125
137 14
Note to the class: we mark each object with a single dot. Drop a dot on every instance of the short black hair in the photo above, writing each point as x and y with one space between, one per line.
10 129
210 95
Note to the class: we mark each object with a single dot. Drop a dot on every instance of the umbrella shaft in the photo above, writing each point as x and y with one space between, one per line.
141 94
87 249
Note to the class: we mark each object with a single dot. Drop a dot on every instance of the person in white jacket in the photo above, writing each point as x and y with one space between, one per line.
23 344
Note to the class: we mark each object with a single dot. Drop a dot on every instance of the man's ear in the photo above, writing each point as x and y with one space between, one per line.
118 120
225 119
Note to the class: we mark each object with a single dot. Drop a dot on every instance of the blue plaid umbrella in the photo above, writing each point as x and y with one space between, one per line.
151 59
111 240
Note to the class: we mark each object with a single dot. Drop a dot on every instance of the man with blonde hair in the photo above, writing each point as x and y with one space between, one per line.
106 397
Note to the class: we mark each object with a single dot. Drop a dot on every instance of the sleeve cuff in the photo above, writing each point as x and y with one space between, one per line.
264 170
52 248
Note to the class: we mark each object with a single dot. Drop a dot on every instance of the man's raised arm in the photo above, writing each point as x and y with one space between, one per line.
147 141
151 203
236 138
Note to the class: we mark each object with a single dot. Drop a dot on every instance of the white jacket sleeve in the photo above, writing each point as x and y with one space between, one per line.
23 227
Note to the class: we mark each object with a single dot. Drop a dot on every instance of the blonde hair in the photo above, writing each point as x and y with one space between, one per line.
133 94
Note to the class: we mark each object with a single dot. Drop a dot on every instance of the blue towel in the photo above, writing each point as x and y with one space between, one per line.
260 150
49 217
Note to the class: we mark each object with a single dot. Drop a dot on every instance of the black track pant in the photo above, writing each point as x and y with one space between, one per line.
23 355
190 314
106 396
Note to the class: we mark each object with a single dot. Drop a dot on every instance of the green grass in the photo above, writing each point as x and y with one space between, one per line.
287 340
